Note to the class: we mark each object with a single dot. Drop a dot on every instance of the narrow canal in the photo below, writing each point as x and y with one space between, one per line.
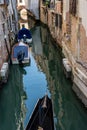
28 83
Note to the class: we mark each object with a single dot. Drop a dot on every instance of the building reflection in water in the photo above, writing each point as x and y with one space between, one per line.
20 96
37 45
12 96
27 84
65 102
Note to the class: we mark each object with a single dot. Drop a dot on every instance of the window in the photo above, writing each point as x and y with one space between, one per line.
58 21
20 1
3 26
73 7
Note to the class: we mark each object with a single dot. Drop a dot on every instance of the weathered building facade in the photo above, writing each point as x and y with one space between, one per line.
51 14
3 33
67 23
8 25
74 44
26 17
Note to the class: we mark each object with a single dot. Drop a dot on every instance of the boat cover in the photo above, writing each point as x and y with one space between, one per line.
17 49
25 32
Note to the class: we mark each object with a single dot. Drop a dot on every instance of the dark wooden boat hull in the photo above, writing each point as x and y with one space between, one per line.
42 117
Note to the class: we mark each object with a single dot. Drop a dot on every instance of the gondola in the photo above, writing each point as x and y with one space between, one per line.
42 116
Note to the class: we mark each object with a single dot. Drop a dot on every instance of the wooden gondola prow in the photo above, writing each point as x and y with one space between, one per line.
43 110
42 117
45 102
42 107
40 128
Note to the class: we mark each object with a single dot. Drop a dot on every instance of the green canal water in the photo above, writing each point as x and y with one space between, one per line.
28 83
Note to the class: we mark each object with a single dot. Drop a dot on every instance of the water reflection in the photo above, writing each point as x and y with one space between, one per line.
12 95
28 83
37 45
35 85
69 112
